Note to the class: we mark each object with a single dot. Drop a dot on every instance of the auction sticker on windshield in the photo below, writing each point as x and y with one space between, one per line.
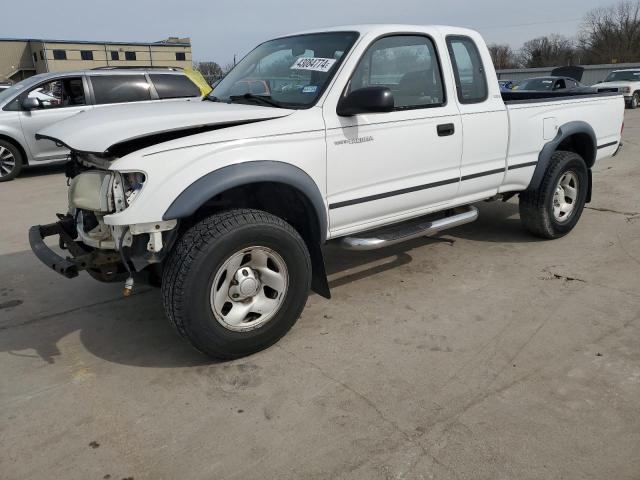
314 64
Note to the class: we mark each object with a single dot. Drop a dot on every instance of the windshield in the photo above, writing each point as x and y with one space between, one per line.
291 72
624 76
537 84
18 87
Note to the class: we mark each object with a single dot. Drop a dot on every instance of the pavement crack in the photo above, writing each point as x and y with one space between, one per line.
396 428
626 252
363 397
65 312
557 276
617 212
565 278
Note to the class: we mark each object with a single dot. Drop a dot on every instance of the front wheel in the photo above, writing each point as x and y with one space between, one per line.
236 282
10 161
635 101
553 210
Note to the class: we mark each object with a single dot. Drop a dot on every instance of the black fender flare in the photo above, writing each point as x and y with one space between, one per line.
565 131
226 178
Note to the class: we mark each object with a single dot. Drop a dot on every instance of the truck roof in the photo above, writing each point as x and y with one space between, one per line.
381 29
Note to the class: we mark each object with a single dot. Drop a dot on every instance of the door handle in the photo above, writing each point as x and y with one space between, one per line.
446 130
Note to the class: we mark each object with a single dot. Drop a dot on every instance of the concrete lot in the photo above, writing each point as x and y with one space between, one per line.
482 354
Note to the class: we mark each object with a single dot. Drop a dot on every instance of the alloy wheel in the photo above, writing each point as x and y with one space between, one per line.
249 289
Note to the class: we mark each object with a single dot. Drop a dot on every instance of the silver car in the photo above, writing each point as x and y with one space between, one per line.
42 100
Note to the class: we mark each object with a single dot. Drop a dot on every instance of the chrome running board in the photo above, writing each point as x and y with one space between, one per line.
409 230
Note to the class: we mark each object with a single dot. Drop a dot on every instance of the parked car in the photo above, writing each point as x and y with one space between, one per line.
227 203
626 82
551 84
44 99
507 85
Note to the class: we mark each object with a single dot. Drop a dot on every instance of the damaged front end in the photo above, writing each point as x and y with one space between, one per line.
109 253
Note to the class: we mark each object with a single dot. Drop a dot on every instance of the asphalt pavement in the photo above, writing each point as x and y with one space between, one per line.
484 353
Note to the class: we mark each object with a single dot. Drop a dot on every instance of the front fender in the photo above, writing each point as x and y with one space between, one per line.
16 136
226 178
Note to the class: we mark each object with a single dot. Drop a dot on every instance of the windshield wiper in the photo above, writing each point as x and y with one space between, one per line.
258 98
210 98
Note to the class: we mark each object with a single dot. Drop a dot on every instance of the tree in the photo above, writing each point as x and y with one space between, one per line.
612 34
503 56
209 69
551 51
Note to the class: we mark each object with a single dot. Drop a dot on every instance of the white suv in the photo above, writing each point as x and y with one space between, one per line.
626 82
42 100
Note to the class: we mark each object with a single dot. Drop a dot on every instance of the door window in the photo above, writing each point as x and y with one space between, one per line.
120 88
471 80
560 85
408 65
174 86
60 93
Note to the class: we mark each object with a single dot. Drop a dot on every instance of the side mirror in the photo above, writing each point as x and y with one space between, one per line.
30 103
366 100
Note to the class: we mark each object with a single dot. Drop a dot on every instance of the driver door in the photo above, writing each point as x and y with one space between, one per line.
59 99
383 167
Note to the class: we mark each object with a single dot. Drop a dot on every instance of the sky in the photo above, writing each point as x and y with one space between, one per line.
220 29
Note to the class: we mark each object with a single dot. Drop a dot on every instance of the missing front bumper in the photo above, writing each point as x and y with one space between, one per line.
82 259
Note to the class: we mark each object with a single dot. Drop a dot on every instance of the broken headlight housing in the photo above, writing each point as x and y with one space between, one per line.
105 192
126 187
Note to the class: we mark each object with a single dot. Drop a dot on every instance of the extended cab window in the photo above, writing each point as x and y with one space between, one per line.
120 88
60 93
468 69
174 86
408 65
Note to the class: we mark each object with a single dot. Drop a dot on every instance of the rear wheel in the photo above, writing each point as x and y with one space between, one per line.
635 101
236 282
10 161
553 210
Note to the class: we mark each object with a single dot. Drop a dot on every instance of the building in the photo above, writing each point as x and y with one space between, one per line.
22 58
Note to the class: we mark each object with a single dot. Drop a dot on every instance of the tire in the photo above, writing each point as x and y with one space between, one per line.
635 101
10 161
198 282
540 213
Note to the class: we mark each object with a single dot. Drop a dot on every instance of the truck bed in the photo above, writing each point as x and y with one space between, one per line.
516 97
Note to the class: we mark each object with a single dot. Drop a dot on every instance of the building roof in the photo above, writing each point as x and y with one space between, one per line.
181 42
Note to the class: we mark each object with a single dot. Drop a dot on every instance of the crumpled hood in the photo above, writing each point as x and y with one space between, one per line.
102 129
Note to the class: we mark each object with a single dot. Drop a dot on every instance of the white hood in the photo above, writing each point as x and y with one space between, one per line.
99 129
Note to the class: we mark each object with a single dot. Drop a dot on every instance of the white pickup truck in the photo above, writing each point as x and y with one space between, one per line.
626 82
362 135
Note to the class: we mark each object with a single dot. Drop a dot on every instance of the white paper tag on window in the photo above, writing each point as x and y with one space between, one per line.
314 64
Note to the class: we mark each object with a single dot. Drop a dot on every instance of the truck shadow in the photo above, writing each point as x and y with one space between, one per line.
41 170
498 222
39 310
